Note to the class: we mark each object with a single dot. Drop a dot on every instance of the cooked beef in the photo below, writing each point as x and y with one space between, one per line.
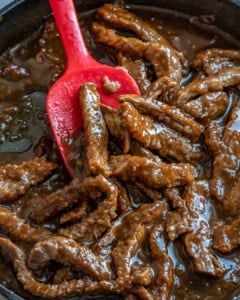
170 115
75 214
207 106
227 237
115 127
44 208
226 155
231 200
152 194
149 172
137 69
215 83
16 180
156 135
127 246
177 222
19 230
68 253
163 58
97 222
63 274
163 265
138 150
17 257
162 87
214 60
122 18
95 131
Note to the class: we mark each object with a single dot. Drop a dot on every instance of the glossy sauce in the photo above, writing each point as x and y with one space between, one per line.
24 129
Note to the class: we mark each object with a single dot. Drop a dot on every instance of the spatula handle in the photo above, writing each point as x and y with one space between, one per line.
68 26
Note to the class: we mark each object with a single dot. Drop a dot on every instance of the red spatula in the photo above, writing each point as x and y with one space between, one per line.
62 100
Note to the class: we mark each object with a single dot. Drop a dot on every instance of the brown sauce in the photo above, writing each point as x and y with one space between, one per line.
24 131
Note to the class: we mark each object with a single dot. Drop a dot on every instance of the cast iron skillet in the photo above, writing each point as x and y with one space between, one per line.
19 18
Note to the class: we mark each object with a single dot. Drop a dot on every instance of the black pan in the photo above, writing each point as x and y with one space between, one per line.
19 18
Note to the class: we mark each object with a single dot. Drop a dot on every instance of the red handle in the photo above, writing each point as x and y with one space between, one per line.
65 17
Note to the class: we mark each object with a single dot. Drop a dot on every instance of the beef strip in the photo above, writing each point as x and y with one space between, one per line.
231 200
215 83
198 242
163 265
149 172
163 58
156 135
127 246
214 60
114 125
227 237
95 131
17 257
177 222
152 194
122 18
170 115
138 150
19 230
98 221
46 207
68 253
63 274
137 68
226 157
16 180
75 214
208 106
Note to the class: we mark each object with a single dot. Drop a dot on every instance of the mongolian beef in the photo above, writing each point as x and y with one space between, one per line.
154 212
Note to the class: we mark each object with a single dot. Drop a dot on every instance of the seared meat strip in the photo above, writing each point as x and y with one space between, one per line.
75 214
95 131
214 83
68 253
115 126
227 237
97 222
167 114
226 157
231 201
137 69
163 58
16 256
19 230
16 180
197 238
44 208
155 135
177 222
162 263
149 172
214 60
122 18
208 106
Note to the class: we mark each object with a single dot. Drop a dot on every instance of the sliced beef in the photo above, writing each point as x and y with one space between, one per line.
170 115
137 149
207 106
98 221
63 274
156 135
75 214
231 201
16 180
227 237
149 172
95 131
215 83
162 264
44 208
226 156
137 68
19 230
68 253
152 194
115 126
214 60
163 58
